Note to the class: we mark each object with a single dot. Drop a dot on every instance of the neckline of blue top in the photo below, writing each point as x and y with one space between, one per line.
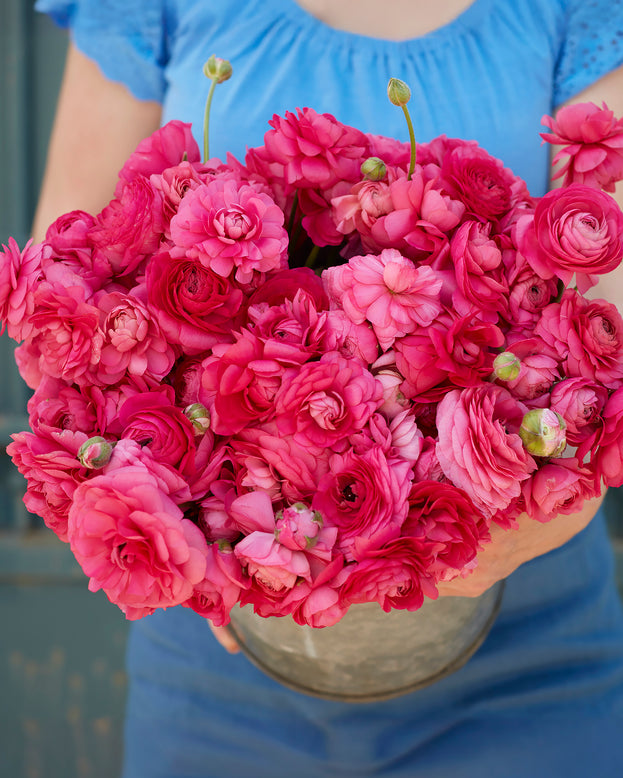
466 21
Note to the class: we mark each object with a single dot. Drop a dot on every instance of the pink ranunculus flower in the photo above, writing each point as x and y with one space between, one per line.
173 183
239 384
478 269
587 335
529 294
580 402
130 227
195 307
231 228
608 460
215 596
66 333
388 291
479 448
592 140
19 273
365 497
164 148
559 487
55 405
358 210
444 519
538 371
573 230
153 420
481 182
286 284
352 341
395 575
133 542
133 342
278 464
292 332
309 150
418 224
323 402
49 463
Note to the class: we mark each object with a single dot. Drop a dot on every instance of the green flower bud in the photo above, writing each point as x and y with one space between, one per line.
217 69
398 92
374 169
199 415
543 432
95 453
506 366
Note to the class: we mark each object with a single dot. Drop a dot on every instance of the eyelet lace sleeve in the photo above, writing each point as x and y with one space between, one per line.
127 39
592 45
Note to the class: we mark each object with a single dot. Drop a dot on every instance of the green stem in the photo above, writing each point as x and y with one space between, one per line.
206 122
295 206
311 259
411 140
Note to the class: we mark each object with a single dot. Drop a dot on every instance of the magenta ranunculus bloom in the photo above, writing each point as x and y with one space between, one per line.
580 402
388 291
444 519
365 497
395 575
322 403
608 461
164 148
479 448
194 306
133 542
592 140
231 228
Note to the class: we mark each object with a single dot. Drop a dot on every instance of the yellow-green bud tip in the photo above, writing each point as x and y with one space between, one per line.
398 92
217 69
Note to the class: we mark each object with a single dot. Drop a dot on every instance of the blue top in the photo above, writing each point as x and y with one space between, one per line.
489 75
543 697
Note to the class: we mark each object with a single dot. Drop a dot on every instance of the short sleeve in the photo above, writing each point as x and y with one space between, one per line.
126 38
592 45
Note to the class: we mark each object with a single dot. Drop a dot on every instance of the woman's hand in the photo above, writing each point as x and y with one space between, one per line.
225 638
511 548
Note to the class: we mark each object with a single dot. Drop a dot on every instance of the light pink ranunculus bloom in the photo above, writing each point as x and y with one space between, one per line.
323 402
560 486
271 565
388 291
592 140
133 542
215 596
479 448
133 342
231 228
352 341
19 273
49 463
66 333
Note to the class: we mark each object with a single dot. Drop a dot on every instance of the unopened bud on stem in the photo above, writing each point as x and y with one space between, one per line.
217 69
95 453
374 169
398 92
199 416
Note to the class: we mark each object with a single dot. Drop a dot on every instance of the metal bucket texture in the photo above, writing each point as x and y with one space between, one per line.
369 655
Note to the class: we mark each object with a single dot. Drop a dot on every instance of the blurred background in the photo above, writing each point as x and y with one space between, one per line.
62 684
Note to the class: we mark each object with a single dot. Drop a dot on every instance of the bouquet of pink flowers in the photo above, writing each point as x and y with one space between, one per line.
317 378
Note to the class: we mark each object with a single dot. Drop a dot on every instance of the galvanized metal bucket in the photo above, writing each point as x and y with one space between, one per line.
369 655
